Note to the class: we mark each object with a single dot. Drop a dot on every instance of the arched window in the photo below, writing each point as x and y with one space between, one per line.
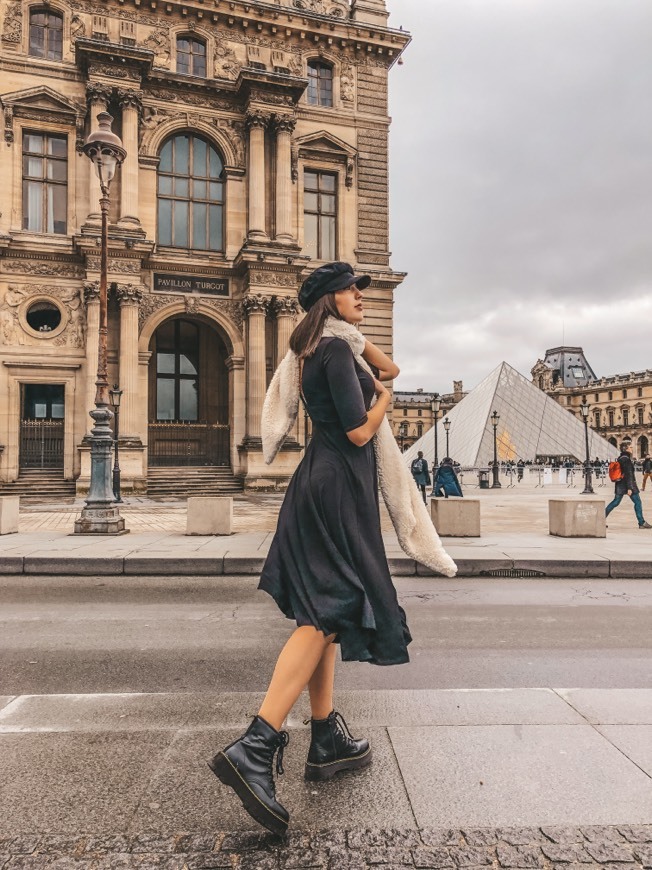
191 56
190 194
46 34
320 83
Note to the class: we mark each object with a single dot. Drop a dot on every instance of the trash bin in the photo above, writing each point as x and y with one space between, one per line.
483 478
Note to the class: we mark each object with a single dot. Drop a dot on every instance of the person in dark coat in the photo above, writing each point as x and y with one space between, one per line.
446 482
627 485
647 470
326 569
420 473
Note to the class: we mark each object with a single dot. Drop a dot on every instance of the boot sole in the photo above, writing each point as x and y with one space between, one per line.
228 775
321 772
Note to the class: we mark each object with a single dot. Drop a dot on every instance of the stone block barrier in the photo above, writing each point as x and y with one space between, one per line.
577 517
209 515
9 507
456 517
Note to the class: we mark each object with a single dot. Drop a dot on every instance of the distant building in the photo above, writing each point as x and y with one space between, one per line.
621 405
412 412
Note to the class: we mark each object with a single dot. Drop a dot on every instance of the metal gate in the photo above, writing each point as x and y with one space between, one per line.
188 444
41 444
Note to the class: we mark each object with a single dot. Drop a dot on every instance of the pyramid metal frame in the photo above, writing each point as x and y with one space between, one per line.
532 426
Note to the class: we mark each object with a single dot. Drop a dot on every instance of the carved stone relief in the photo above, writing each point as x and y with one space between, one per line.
77 29
14 330
43 268
158 41
347 83
285 306
256 303
12 28
225 63
153 302
273 279
120 267
323 7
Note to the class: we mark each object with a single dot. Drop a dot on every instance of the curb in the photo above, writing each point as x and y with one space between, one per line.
196 566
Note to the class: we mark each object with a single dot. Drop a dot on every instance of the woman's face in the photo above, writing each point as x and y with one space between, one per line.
349 304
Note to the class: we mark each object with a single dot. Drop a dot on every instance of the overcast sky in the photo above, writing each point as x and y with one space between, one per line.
521 185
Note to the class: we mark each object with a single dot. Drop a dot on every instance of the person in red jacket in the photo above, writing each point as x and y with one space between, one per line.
627 485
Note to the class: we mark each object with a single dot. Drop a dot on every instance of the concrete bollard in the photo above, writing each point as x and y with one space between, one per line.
209 516
9 508
577 518
455 517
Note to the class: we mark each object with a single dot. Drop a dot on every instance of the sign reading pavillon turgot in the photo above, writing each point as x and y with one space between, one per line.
164 282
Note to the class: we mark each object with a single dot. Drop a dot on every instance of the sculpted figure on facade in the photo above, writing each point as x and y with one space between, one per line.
77 29
11 327
225 62
234 132
158 41
74 333
12 28
347 83
256 303
324 7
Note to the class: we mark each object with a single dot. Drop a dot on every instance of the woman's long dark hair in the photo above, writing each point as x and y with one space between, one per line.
307 334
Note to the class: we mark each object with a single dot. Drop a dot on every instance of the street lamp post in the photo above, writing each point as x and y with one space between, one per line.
495 417
116 395
588 471
435 403
447 429
101 516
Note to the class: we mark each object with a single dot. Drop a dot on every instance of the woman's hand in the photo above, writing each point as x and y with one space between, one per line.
380 388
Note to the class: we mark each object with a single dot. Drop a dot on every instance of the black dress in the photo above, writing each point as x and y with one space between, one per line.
326 565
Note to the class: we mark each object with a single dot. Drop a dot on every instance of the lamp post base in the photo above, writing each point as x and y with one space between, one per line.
96 521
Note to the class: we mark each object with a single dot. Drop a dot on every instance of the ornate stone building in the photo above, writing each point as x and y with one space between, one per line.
256 137
412 413
620 405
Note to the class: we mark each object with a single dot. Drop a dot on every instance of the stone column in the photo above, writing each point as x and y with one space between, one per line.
98 96
284 125
257 123
131 105
92 299
129 297
285 308
256 307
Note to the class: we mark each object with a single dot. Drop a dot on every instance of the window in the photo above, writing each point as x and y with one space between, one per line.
577 372
320 215
190 195
419 413
569 400
596 418
639 392
641 418
191 57
625 416
611 395
611 418
320 83
624 394
45 183
405 412
46 35
419 430
43 316
177 371
597 397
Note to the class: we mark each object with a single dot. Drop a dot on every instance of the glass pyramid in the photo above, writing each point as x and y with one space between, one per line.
532 426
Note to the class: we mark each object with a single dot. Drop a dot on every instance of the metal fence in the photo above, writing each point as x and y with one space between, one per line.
189 444
41 444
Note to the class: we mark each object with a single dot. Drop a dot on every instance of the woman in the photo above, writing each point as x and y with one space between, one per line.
326 567
446 482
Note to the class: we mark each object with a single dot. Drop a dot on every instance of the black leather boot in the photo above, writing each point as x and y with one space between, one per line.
333 749
246 765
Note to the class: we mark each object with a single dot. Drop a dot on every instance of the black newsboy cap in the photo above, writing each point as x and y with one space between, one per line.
329 279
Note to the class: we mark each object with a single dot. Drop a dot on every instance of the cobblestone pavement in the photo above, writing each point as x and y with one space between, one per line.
621 847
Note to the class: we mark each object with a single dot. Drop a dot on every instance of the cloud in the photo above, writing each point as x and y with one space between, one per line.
521 184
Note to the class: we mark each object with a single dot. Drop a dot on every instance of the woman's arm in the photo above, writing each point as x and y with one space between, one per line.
366 432
387 370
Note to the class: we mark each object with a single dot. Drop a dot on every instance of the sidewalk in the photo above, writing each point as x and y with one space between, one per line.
516 778
168 553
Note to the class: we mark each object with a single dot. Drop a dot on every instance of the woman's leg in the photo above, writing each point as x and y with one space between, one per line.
295 666
320 686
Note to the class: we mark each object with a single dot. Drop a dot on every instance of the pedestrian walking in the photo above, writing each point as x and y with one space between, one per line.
327 569
622 472
647 470
421 475
520 468
446 481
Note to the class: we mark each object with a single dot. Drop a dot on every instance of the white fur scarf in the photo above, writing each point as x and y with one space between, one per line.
414 528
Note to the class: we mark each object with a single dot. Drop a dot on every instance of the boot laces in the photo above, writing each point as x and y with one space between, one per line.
283 742
341 726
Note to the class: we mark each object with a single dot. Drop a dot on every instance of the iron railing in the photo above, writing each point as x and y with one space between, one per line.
189 444
41 444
